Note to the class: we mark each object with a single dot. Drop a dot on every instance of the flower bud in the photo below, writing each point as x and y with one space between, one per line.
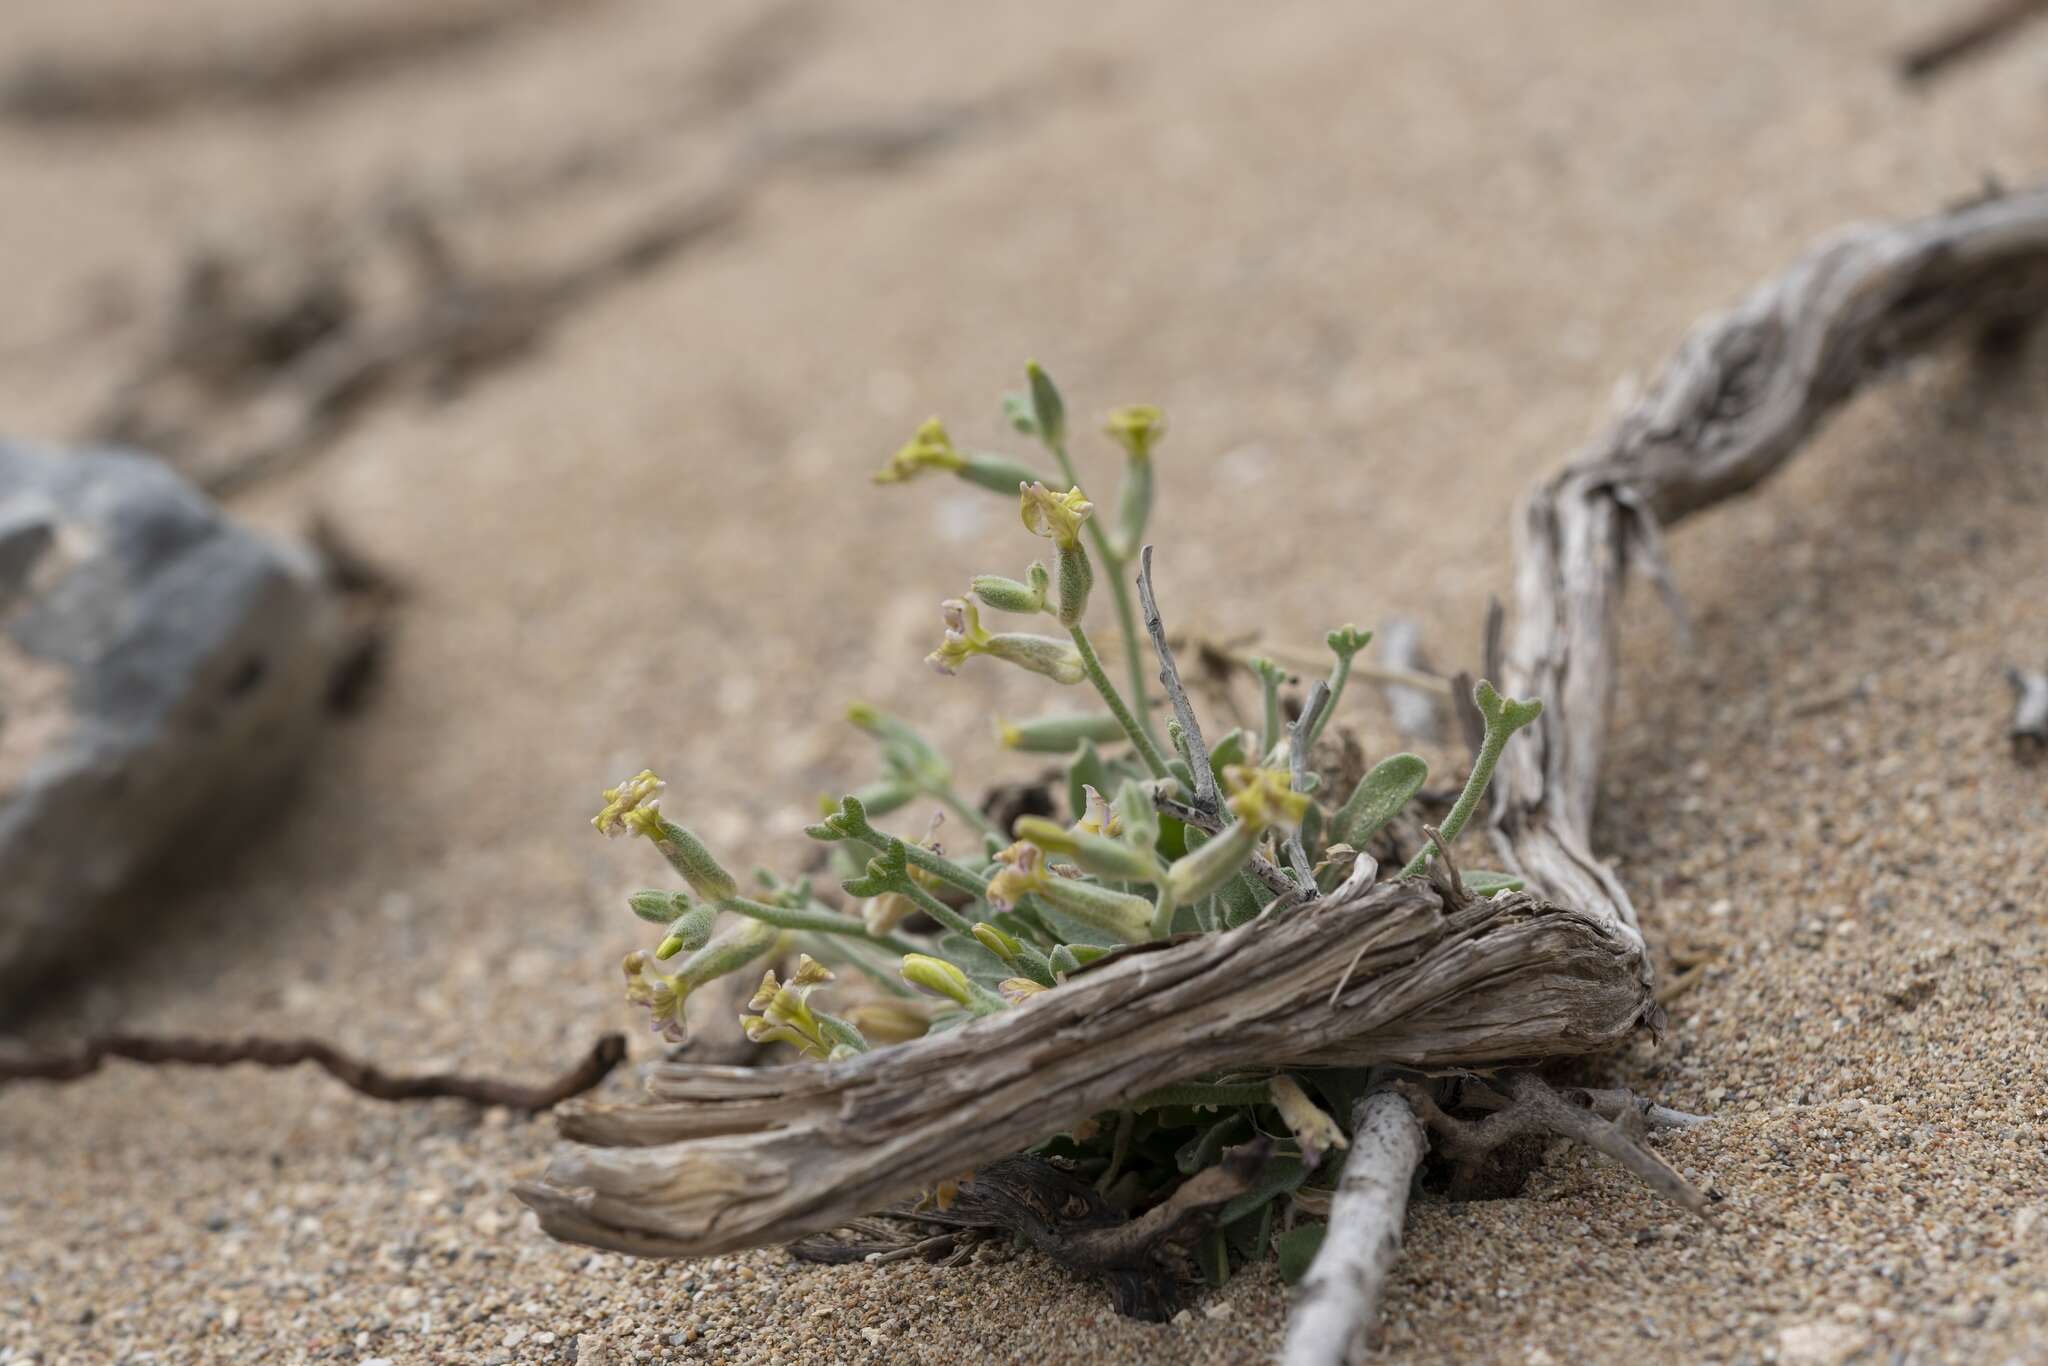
1048 410
930 449
1003 946
881 914
939 976
891 1021
657 907
1058 734
1007 595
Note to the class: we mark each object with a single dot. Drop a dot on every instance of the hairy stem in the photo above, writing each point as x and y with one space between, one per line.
1141 739
817 922
1120 592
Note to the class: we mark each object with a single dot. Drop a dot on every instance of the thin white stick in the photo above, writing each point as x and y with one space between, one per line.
1337 1306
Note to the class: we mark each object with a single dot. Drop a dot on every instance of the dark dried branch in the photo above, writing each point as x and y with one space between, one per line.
365 1078
1534 1108
300 66
1260 867
1744 392
1968 36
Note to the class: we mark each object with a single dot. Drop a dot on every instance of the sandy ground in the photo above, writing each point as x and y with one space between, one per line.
1383 265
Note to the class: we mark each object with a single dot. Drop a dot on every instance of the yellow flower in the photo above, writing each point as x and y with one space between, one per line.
661 994
1264 797
642 791
786 1015
930 449
1023 873
964 639
1057 516
1098 817
1137 429
1017 990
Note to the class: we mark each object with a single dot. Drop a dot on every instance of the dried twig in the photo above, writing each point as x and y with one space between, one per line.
2029 730
1337 1303
1741 396
1205 794
1416 711
1534 1108
298 67
1261 867
1297 760
85 1058
1971 34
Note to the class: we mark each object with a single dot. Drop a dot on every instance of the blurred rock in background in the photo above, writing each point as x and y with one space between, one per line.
161 669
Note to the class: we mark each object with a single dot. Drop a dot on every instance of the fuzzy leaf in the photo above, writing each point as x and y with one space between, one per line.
1084 770
1379 797
1297 1248
1486 881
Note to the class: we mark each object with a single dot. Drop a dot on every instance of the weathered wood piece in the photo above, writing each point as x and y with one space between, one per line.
1737 401
732 1157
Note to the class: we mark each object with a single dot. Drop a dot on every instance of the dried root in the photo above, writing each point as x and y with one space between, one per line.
1533 1107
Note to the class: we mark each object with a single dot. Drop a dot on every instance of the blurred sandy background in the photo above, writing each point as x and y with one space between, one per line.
1383 265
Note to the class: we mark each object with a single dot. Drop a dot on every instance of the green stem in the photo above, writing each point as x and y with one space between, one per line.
1269 720
1141 739
817 922
1163 908
953 802
944 869
937 909
1339 674
1119 591
1468 800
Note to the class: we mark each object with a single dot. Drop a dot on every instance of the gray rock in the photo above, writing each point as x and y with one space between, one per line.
160 671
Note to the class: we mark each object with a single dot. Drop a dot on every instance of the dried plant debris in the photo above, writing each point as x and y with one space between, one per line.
269 70
264 359
264 356
1982 27
1153 981
364 1078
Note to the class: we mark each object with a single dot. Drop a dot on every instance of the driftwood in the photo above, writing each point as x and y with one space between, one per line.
734 1157
727 1158
1741 396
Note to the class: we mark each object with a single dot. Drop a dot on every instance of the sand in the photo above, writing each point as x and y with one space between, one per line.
1383 266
